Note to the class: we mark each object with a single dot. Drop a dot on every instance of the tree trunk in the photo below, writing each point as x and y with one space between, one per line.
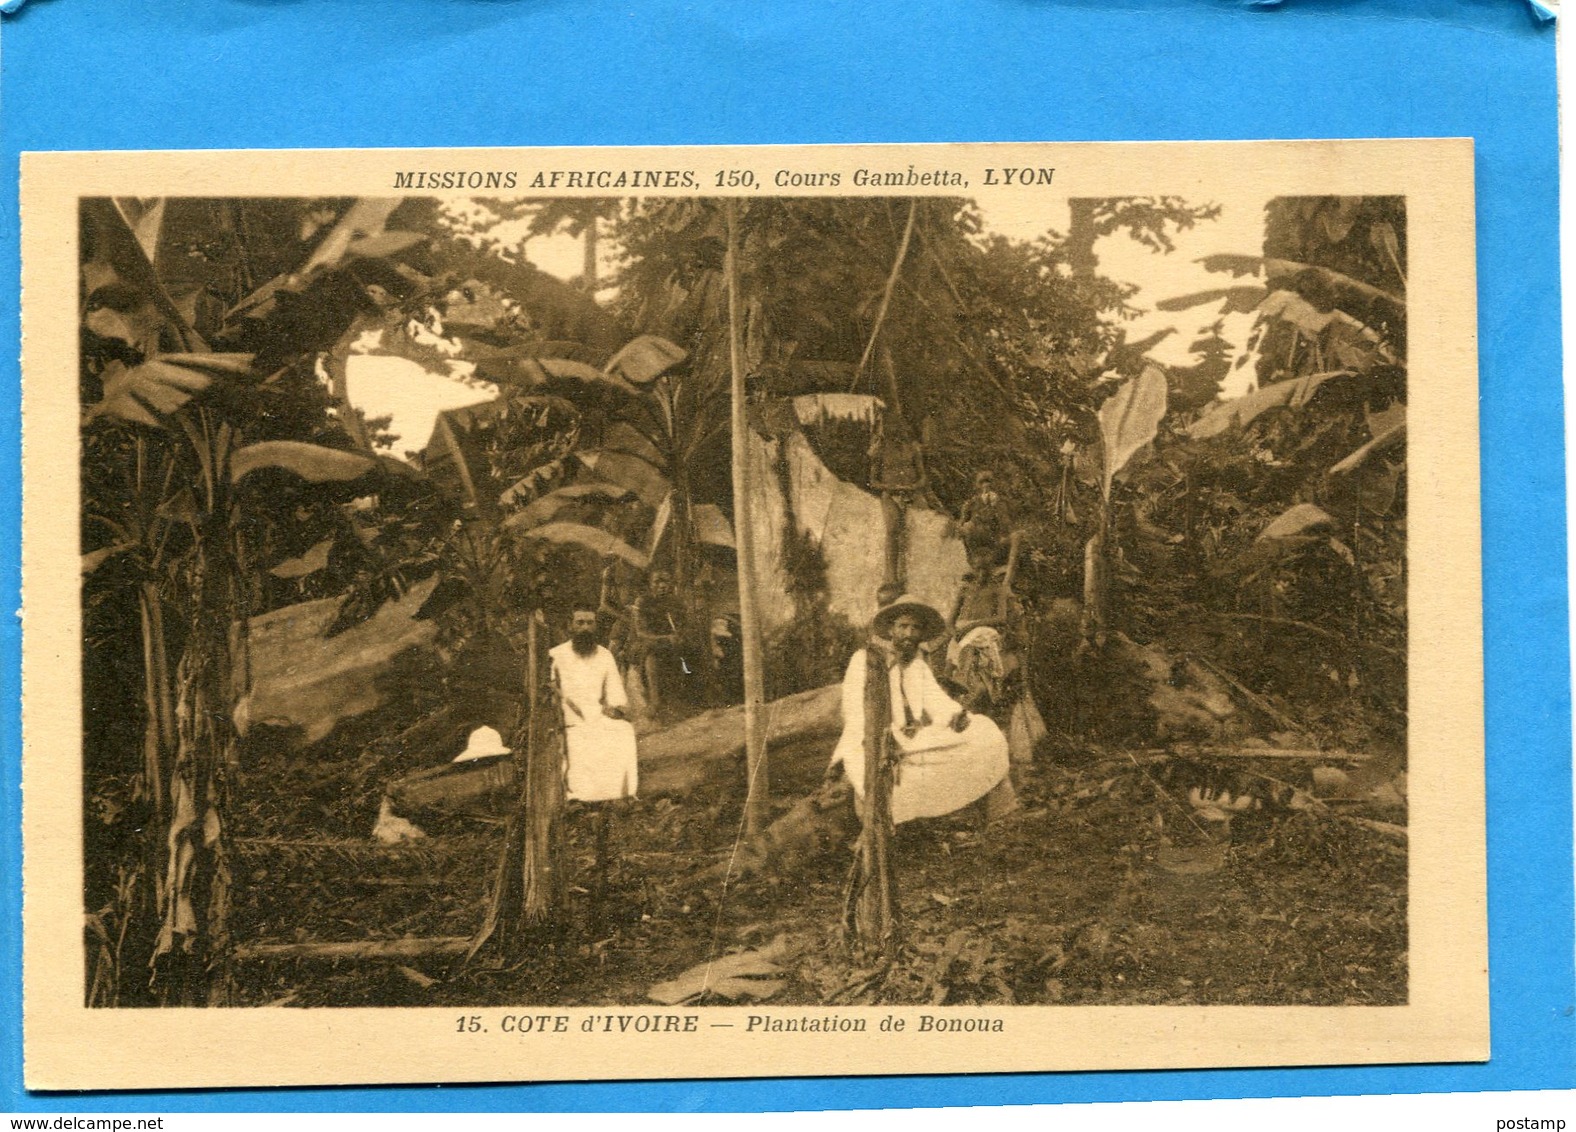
530 884
158 732
588 269
544 865
871 910
191 956
1078 248
681 528
382 950
758 789
1097 589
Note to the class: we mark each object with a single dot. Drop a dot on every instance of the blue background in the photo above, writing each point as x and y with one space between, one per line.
101 74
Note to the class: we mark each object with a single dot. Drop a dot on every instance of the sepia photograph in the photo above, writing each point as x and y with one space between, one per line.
769 597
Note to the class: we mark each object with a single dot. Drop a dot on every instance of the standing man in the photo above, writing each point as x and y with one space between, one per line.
897 471
947 758
985 524
597 732
653 641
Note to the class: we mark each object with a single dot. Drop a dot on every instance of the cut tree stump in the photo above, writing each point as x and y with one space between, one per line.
813 826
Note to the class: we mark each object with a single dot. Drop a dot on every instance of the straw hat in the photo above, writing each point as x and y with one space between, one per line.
931 623
484 743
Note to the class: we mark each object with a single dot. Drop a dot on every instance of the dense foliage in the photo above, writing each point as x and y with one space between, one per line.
226 471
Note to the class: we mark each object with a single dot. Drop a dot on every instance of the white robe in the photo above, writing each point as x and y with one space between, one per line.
942 770
602 761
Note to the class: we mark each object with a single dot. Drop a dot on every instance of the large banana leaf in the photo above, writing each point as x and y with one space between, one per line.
1274 269
593 539
1129 420
119 257
1390 438
530 373
148 394
361 225
1237 300
644 359
145 217
311 462
1382 237
384 243
630 471
711 525
540 510
1300 521
309 563
1239 411
1288 306
93 559
138 323
626 438
1299 527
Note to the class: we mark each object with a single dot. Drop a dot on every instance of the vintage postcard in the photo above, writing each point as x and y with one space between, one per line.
570 614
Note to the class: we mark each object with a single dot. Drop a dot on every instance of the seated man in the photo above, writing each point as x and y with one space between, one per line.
948 758
599 737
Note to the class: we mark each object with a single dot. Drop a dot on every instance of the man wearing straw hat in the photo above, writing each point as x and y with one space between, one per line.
949 758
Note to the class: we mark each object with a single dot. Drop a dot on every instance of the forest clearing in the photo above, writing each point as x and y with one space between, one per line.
1145 735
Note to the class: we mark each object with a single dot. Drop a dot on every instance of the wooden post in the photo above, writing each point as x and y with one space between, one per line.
1097 584
530 882
589 264
759 782
543 865
871 913
599 884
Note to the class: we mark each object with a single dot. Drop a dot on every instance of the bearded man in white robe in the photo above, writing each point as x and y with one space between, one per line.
598 735
949 757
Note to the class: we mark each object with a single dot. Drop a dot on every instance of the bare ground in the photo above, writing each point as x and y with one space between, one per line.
1104 888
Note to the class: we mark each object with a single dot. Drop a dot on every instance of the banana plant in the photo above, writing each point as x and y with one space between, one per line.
195 501
1129 419
183 522
1360 487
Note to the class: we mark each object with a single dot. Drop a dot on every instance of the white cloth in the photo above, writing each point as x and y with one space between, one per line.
941 770
982 637
602 760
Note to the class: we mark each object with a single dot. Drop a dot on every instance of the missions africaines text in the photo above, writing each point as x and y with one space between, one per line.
436 179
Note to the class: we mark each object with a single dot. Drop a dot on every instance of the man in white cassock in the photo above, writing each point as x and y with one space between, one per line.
949 758
598 735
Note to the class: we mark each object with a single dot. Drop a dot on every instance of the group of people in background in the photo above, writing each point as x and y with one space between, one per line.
961 711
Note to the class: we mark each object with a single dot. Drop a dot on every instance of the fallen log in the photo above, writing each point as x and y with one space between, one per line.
1203 752
1269 710
374 949
454 786
699 751
355 850
702 748
1384 828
